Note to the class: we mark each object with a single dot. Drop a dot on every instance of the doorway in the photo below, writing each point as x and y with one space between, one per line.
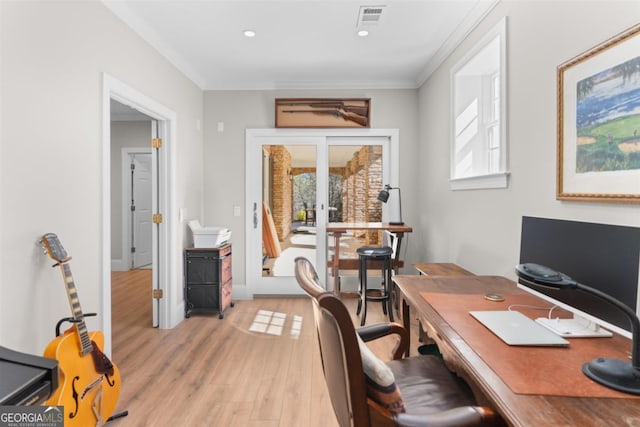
160 128
132 202
309 178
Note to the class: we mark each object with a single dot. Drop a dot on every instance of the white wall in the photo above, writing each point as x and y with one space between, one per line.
224 152
480 229
54 55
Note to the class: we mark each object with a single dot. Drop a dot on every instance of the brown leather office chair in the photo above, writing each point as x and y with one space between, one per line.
430 394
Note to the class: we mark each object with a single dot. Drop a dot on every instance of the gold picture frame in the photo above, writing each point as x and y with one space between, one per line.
598 149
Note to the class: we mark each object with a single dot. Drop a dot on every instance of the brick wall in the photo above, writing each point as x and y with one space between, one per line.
282 190
362 180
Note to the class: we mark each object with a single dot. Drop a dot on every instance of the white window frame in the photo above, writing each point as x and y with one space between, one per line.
495 176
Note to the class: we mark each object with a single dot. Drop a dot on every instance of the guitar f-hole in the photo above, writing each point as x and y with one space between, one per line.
75 396
109 381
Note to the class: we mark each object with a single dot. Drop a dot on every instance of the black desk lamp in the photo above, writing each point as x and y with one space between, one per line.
383 196
613 373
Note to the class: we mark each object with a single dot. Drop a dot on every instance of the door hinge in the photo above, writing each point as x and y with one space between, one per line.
157 218
133 250
157 294
156 142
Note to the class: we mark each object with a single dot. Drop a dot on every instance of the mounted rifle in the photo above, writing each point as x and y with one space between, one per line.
338 105
346 115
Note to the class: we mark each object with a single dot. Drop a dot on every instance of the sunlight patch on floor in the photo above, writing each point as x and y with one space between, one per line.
296 327
273 323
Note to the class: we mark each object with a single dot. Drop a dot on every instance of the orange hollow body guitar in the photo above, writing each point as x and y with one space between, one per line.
89 381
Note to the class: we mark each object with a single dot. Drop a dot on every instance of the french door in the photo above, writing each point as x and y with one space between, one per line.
293 188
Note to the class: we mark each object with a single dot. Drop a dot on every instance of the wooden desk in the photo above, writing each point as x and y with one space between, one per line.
339 228
515 409
441 269
432 269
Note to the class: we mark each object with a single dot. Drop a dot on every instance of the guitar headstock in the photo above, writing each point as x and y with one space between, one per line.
54 248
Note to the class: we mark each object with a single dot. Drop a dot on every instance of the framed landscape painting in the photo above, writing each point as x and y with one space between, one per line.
599 122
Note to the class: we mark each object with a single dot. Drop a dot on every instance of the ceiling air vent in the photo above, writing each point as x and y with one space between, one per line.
370 15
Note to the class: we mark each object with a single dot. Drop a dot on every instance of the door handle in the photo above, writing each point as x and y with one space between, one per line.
255 215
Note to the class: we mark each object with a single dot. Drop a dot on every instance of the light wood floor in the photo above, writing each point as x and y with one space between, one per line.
212 372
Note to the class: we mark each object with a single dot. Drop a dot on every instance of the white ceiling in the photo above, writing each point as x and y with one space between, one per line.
302 44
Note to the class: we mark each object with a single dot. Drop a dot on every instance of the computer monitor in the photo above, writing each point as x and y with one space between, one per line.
604 257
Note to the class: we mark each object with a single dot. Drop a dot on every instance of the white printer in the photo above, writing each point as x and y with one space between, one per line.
208 237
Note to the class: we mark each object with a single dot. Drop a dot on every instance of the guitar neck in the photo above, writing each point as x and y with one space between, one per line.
76 310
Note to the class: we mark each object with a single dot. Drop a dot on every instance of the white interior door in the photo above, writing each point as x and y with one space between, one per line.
141 210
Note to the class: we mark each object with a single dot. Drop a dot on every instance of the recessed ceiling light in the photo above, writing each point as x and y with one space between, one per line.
249 33
363 33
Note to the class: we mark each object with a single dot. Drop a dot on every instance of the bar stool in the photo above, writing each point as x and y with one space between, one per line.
383 255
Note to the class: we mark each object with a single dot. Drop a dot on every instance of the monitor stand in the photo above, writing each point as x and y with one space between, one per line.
577 327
